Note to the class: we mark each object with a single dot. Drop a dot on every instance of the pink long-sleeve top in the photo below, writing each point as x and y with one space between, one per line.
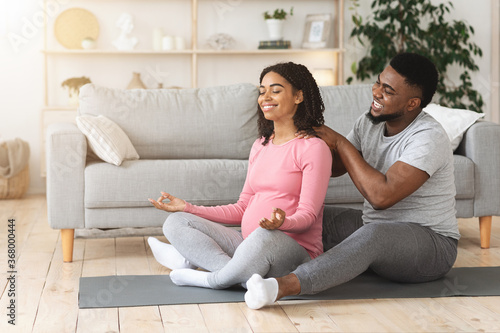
294 177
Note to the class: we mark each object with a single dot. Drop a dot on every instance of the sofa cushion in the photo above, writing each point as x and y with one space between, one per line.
454 121
201 182
107 140
344 104
341 189
204 123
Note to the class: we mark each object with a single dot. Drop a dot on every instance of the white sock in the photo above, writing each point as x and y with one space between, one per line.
167 255
261 292
190 277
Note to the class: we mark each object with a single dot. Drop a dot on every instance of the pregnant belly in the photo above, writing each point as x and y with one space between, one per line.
262 207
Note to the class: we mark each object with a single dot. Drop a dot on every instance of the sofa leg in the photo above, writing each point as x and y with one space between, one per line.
67 239
485 231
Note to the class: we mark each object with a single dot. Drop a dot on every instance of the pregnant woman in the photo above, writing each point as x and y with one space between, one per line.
280 208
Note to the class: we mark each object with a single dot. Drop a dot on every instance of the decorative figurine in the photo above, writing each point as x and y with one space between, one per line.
124 42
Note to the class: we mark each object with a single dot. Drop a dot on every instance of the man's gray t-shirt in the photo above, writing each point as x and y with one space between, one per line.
423 145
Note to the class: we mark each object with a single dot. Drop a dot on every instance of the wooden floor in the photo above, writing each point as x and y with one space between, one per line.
47 291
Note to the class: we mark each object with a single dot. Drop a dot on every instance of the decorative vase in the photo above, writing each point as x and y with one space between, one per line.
88 44
74 97
136 82
275 29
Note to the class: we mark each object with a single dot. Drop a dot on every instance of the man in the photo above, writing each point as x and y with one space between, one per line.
401 161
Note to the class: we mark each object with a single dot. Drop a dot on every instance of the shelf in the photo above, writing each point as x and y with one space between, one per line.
189 52
196 58
196 52
114 52
266 51
60 108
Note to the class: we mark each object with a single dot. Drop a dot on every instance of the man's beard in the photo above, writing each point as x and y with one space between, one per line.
382 118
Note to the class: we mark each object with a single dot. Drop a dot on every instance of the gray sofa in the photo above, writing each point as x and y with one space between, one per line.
194 143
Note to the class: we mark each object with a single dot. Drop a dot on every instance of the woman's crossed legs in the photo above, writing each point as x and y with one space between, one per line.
228 258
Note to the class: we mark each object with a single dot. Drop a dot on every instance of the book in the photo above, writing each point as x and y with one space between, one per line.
275 44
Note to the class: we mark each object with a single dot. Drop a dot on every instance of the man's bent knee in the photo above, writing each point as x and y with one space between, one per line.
380 232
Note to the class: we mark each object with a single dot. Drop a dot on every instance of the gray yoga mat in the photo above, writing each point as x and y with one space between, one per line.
144 290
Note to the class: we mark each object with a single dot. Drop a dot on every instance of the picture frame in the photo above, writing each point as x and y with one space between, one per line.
317 31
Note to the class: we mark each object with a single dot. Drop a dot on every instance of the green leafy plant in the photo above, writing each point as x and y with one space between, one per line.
419 26
279 14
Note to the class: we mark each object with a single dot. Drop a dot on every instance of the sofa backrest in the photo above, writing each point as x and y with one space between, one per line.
344 104
204 123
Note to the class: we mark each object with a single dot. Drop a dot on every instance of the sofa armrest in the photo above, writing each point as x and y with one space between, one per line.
66 149
481 143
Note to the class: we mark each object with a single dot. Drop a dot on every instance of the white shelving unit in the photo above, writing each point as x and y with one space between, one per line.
197 60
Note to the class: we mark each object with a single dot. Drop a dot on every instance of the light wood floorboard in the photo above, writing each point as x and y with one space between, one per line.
99 260
47 291
131 259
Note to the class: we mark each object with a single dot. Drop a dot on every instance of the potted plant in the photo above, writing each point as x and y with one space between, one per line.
275 23
419 26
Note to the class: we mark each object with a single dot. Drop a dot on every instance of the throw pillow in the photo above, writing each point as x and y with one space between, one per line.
454 121
107 139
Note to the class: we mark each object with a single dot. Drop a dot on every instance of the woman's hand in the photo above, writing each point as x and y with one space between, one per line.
175 204
277 219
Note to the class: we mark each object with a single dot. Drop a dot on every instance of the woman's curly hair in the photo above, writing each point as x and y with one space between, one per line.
309 112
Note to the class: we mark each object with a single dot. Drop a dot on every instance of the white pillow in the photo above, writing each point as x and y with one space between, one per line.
107 139
454 121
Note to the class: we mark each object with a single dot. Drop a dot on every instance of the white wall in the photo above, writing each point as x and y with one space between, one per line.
21 66
21 82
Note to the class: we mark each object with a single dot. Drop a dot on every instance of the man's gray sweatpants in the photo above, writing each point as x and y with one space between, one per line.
403 252
222 250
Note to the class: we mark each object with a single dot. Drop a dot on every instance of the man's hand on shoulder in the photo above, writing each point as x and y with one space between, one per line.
325 133
334 140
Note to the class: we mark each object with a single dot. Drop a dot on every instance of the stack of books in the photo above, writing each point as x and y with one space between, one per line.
275 44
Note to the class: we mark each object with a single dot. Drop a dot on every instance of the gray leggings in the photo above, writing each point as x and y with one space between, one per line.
222 250
403 252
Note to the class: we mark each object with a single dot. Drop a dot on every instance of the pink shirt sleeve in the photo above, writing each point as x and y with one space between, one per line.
316 163
230 214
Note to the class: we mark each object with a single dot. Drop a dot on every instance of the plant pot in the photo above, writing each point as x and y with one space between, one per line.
74 97
275 28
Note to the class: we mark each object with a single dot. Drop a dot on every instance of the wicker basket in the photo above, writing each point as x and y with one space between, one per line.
15 187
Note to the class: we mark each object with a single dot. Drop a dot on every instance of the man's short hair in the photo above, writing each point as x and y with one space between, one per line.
419 72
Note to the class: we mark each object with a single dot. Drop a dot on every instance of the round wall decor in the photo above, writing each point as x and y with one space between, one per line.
73 25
